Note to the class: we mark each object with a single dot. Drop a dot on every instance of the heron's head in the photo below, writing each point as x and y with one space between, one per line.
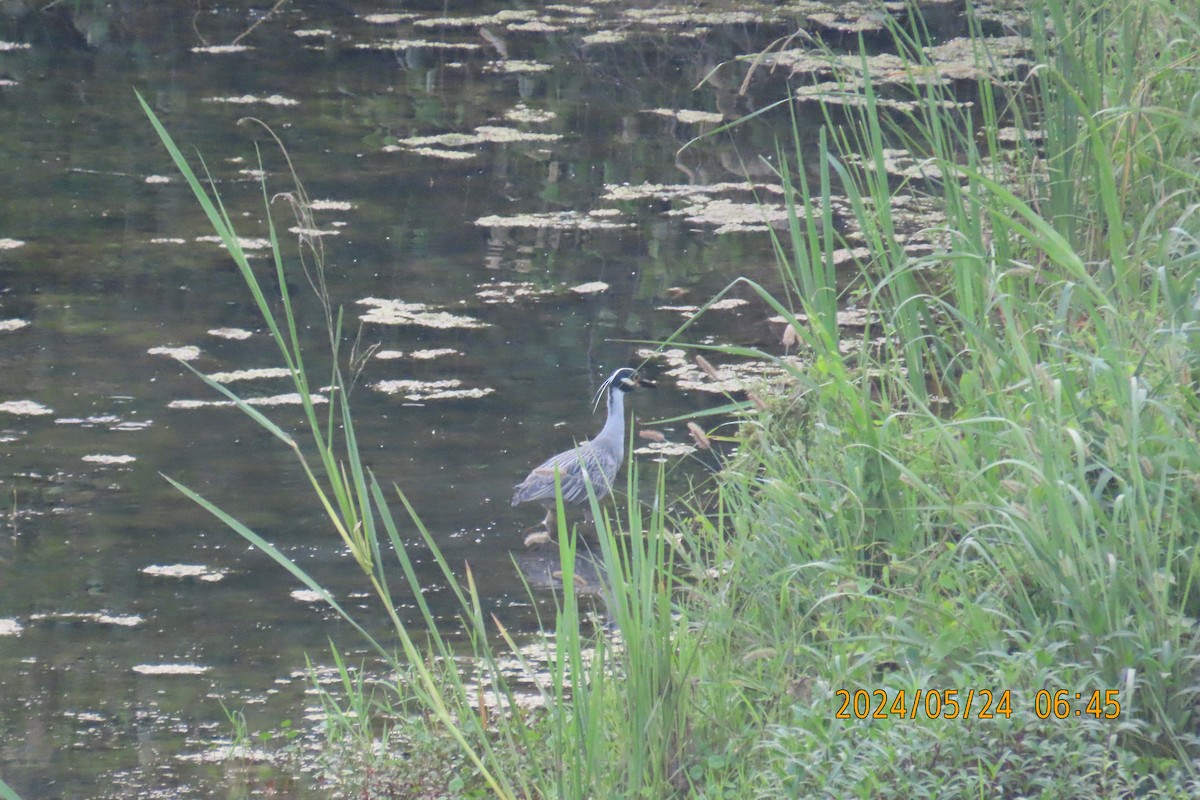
625 379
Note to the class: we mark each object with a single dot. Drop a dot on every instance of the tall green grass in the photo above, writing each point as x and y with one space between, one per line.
1034 526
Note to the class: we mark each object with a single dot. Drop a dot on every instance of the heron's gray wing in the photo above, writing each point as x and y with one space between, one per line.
571 465
539 483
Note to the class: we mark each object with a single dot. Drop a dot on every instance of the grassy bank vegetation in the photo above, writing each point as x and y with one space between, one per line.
997 487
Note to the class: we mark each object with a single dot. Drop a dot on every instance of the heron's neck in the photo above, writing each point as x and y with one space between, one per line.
614 427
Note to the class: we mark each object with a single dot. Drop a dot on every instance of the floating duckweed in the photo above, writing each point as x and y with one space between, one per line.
6 46
24 408
663 450
88 422
416 44
957 59
388 19
499 18
244 243
513 66
729 216
558 220
493 133
605 37
7 325
535 26
725 379
416 391
483 134
220 48
261 373
720 305
331 205
101 458
289 399
594 287
306 596
156 179
397 312
170 669
10 627
669 191
168 240
250 99
96 617
418 355
433 352
509 292
185 353
10 244
532 116
433 152
200 571
313 33
236 334
686 116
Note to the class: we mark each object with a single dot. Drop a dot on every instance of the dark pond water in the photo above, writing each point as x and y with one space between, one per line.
102 262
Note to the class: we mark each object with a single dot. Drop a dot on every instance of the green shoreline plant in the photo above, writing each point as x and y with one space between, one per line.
1001 492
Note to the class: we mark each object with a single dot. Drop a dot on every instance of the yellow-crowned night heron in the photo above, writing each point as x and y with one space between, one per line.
595 461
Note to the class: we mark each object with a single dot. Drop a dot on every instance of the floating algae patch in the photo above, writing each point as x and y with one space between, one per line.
416 44
253 99
499 18
516 67
9 46
236 334
170 669
247 243
536 26
509 292
624 192
397 312
186 352
288 399
219 49
686 116
256 374
24 408
995 59
553 220
88 422
418 355
331 205
725 379
729 216
8 325
10 627
198 571
592 287
433 152
660 451
605 37
725 304
10 244
89 618
103 458
389 19
417 391
522 113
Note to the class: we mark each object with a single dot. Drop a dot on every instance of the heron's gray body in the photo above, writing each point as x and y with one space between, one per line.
598 459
